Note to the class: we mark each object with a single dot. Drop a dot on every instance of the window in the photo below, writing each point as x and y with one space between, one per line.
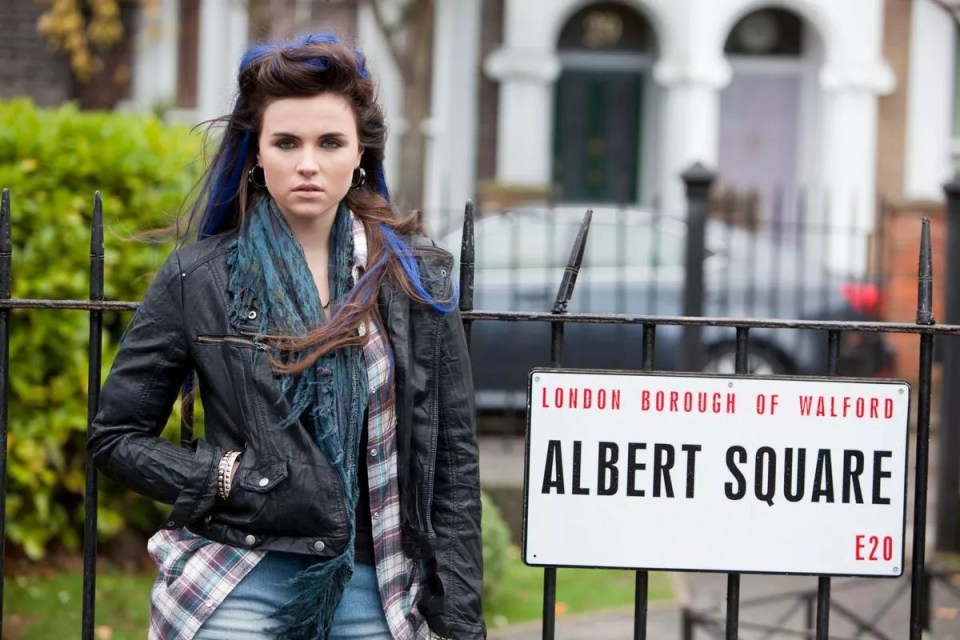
607 26
768 32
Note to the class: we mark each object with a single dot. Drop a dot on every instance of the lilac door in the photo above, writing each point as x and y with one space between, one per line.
759 129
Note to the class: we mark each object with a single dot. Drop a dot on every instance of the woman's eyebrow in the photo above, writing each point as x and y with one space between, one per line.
326 134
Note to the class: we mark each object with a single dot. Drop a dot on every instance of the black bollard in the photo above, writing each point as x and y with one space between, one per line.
948 479
697 180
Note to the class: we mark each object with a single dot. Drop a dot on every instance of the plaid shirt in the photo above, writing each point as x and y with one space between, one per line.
196 575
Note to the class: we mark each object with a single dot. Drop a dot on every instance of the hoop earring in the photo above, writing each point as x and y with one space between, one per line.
251 177
359 178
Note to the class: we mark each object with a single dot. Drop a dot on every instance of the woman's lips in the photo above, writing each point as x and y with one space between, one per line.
308 191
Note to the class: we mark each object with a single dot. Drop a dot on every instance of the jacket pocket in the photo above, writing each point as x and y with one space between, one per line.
281 498
255 502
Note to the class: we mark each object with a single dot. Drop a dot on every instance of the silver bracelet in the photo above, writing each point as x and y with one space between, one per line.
225 473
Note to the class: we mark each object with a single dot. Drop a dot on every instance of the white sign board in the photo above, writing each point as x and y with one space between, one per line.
716 473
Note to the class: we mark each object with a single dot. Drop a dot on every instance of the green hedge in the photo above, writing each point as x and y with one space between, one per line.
496 547
52 160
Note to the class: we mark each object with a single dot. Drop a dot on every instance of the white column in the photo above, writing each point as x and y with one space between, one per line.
524 136
389 86
223 39
451 130
690 122
848 156
155 59
930 100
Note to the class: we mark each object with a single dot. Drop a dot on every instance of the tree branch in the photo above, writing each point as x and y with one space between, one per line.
409 9
381 21
952 9
389 32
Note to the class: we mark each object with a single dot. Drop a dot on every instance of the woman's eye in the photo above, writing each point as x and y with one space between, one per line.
331 144
286 144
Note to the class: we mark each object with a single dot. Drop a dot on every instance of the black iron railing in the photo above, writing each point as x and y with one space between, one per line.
558 318
925 328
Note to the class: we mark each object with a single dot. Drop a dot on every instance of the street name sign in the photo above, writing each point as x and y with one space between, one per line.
716 473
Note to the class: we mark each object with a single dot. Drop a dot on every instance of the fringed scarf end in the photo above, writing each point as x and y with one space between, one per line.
309 616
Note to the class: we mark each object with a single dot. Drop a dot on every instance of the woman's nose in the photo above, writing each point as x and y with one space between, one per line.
308 163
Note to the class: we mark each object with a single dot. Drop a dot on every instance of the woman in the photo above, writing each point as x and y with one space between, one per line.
336 492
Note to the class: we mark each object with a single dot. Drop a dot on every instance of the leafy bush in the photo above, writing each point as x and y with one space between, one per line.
52 161
496 546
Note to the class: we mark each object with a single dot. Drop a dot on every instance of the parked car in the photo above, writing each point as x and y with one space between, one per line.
634 263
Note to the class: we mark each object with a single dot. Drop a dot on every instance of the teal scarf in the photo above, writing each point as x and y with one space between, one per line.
268 270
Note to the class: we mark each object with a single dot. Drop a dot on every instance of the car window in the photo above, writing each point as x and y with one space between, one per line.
634 244
522 243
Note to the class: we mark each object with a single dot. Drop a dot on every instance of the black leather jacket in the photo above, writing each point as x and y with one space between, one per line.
286 495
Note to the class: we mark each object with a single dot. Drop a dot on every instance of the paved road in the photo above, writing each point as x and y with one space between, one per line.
884 603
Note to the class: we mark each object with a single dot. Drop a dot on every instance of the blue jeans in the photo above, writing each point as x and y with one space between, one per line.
246 614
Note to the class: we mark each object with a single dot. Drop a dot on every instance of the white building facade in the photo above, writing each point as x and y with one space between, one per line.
771 95
610 101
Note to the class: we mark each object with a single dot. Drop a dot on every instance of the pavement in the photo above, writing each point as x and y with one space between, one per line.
771 606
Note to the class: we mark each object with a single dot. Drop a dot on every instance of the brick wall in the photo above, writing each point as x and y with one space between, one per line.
902 223
892 108
28 68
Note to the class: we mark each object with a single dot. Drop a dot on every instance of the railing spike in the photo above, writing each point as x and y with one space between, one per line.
925 278
6 245
96 235
467 258
565 292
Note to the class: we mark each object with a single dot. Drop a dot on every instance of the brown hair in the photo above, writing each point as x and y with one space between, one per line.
310 66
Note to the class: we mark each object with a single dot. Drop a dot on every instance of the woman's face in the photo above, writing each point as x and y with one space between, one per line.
309 148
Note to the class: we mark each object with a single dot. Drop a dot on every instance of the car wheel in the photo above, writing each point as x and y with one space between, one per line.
761 361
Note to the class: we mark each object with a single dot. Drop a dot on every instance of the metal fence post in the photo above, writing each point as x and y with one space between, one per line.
564 293
6 250
922 465
93 399
948 479
686 624
697 180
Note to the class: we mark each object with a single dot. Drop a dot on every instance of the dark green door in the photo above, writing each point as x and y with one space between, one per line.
597 136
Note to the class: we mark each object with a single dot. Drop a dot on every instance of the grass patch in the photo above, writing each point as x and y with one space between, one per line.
50 605
520 598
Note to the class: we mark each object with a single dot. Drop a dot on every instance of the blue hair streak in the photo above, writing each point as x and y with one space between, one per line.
225 179
401 250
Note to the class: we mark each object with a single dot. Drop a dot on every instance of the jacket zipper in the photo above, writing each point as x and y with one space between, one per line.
434 426
242 342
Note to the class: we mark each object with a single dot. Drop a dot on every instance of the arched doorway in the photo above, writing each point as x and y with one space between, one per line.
768 112
606 52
